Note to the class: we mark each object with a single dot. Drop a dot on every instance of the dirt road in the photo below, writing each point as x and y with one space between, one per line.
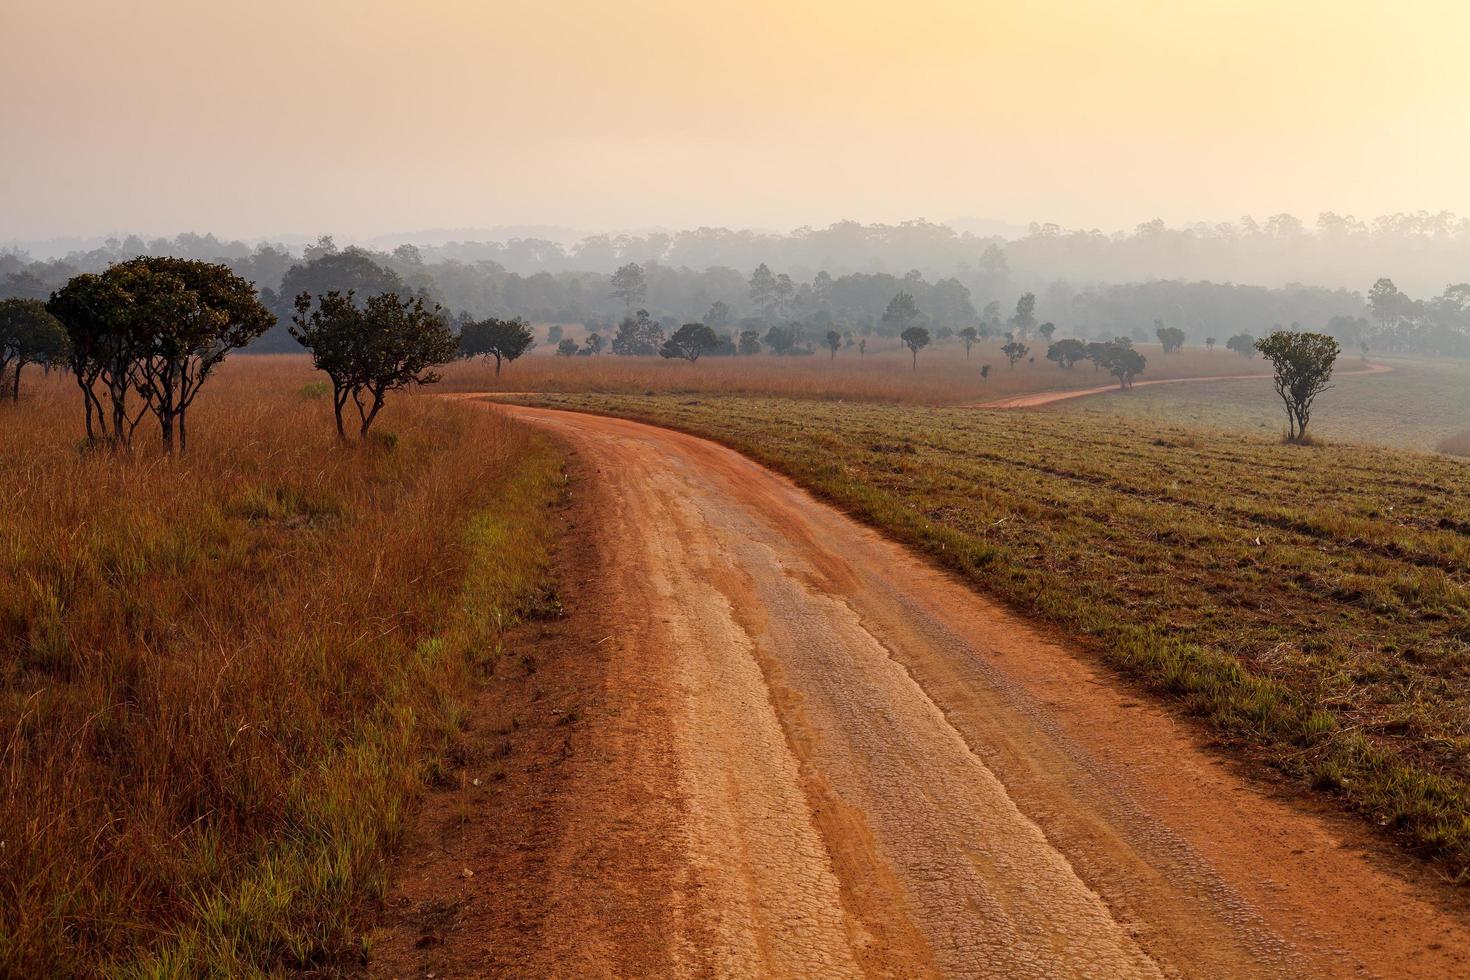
1048 397
801 751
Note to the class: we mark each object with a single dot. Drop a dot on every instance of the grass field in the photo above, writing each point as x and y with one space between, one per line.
222 677
944 375
1422 405
1307 604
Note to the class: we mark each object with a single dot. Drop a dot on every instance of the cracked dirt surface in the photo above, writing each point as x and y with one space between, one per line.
799 750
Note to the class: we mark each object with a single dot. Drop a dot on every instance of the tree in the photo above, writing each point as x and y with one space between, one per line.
595 344
386 345
1025 317
351 270
902 311
834 341
862 347
1046 330
1210 344
567 348
554 333
783 340
1302 363
985 372
915 339
638 336
629 285
504 340
1170 338
968 336
29 334
1243 344
1014 350
690 342
1123 363
763 291
719 315
750 342
1066 352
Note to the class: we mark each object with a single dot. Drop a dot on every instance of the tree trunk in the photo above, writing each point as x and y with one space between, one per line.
15 391
497 365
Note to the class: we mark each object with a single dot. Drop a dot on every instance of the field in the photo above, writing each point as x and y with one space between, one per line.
944 375
223 678
1306 604
1422 405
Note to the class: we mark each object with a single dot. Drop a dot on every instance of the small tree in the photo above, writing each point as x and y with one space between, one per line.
1210 345
386 345
629 285
1066 352
554 333
1170 338
1025 317
595 344
834 341
902 311
1014 350
915 339
1046 330
690 342
1123 363
750 342
29 334
862 346
567 348
985 372
783 340
1243 344
969 337
638 336
1303 366
504 340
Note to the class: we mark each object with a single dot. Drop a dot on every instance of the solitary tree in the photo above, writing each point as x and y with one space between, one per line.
1123 363
901 313
386 345
1046 330
629 285
834 341
985 372
915 339
1210 344
1302 363
1243 344
1014 350
567 348
690 342
968 336
594 345
862 347
1066 352
504 340
29 334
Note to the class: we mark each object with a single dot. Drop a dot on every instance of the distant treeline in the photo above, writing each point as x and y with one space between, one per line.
982 292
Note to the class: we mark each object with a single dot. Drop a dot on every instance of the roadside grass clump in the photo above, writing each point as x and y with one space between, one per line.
1306 604
225 676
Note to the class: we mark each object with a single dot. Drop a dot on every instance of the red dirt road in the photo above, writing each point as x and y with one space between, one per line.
1047 397
801 751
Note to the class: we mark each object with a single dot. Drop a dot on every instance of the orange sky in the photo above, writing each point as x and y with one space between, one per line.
368 116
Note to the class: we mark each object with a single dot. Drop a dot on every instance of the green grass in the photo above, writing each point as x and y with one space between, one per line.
1419 405
1307 604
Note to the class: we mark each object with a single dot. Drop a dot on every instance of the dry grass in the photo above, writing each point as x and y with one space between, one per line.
1309 604
221 677
944 376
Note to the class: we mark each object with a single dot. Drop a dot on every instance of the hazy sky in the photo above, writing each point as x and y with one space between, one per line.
361 117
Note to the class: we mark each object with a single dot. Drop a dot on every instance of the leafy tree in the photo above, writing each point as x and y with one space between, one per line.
595 344
719 315
902 311
1025 317
1095 352
386 345
985 372
629 285
1170 338
504 340
1046 330
690 342
103 351
1014 350
1123 363
862 347
554 333
325 270
638 336
567 348
834 341
1067 352
783 340
1210 344
968 336
763 291
1243 344
915 339
29 334
1302 363
750 342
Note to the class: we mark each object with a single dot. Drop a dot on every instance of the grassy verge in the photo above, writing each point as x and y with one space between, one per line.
223 679
1307 604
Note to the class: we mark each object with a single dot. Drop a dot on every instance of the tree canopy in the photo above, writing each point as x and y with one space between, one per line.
504 340
29 334
690 342
1302 367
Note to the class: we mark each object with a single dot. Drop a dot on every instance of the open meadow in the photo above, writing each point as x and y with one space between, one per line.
224 676
1305 603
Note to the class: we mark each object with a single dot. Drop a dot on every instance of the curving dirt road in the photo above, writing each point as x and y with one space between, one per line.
1048 397
806 752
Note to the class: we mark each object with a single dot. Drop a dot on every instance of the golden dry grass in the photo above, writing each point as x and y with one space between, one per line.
221 676
943 377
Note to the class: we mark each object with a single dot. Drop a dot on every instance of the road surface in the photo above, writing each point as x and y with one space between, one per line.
810 753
